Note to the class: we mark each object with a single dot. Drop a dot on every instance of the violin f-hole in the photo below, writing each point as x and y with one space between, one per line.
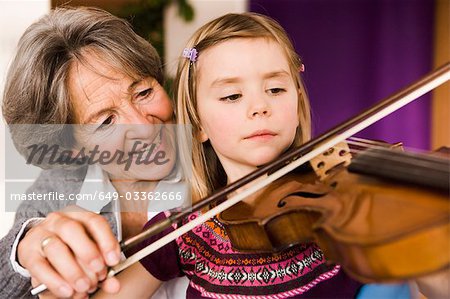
303 194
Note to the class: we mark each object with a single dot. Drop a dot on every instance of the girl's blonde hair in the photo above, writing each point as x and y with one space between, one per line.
207 172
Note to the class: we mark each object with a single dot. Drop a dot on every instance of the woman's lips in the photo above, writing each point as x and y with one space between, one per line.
153 146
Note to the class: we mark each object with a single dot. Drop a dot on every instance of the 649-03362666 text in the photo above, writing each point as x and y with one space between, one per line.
98 195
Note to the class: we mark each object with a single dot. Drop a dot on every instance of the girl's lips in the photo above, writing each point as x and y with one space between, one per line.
261 134
261 137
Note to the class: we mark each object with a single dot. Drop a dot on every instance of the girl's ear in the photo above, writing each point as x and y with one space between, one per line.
202 137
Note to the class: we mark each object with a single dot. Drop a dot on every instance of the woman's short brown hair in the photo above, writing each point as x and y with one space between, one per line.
36 87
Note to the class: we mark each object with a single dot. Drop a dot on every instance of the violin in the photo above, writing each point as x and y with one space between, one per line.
383 216
358 220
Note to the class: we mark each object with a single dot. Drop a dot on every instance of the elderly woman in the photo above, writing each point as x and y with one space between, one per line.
85 67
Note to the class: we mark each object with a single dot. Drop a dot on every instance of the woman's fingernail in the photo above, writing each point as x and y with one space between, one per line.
112 258
102 275
82 285
97 265
65 291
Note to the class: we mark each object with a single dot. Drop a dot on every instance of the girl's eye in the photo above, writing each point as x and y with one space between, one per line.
231 98
107 122
275 91
142 95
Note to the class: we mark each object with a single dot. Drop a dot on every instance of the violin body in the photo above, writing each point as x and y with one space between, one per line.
376 229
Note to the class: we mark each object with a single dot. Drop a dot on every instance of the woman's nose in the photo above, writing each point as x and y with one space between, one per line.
135 114
138 124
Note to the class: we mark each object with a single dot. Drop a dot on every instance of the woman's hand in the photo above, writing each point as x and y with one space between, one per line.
69 252
109 286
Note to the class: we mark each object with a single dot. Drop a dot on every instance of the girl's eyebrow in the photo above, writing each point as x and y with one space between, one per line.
230 80
225 80
281 73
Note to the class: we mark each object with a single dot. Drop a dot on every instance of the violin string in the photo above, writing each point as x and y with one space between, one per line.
360 144
366 143
354 139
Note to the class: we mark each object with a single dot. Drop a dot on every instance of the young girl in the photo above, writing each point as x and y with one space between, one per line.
239 86
247 105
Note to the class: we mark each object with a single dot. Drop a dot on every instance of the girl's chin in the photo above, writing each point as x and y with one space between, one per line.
263 159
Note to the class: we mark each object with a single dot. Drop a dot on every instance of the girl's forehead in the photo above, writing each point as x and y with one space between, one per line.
236 45
240 57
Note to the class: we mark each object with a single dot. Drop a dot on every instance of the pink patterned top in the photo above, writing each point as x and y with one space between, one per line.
215 270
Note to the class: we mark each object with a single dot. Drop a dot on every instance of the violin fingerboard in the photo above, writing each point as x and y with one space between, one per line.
413 168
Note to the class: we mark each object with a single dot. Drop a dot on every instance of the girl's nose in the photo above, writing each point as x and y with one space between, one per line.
259 107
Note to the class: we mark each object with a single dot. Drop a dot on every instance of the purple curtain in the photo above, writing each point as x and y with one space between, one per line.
357 52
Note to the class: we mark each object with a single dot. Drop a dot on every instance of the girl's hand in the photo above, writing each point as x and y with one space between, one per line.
135 282
435 286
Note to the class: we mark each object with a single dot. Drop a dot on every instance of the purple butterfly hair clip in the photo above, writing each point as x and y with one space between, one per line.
190 53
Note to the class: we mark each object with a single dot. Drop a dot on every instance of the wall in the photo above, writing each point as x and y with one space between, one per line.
178 31
15 16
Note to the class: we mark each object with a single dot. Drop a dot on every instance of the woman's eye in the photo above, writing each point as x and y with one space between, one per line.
275 91
145 93
107 122
231 98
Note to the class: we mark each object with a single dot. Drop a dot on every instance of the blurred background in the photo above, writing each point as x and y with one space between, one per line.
356 52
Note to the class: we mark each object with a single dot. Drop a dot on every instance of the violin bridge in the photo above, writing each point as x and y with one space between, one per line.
335 157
